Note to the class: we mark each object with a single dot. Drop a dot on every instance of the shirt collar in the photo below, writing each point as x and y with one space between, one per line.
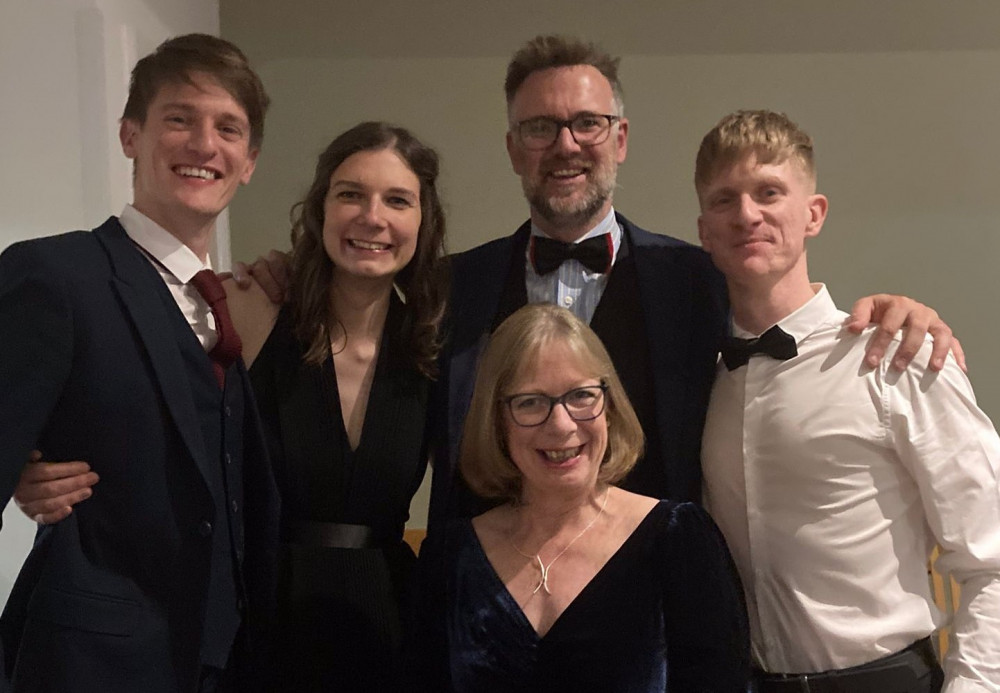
609 224
803 321
161 245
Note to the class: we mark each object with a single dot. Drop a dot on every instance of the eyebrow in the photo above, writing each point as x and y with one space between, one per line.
191 108
354 185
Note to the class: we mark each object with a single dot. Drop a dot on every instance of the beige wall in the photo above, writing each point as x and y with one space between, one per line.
901 99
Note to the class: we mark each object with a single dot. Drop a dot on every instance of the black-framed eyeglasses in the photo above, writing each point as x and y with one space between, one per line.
533 408
587 129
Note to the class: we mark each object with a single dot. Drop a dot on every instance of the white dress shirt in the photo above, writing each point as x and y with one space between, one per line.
176 264
832 482
573 286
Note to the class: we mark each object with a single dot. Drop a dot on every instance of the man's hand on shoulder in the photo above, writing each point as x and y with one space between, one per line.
48 491
270 272
892 313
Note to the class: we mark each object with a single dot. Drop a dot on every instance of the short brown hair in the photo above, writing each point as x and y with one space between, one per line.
176 59
769 136
543 52
483 458
423 281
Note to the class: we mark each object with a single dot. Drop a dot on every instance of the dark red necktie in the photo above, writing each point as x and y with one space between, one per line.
228 348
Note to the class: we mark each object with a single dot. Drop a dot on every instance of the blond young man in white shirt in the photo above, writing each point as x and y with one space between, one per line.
831 480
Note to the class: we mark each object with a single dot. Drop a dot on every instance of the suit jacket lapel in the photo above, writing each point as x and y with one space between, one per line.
478 289
665 297
140 287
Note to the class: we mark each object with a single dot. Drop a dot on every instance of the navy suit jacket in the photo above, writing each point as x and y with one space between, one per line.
113 597
683 304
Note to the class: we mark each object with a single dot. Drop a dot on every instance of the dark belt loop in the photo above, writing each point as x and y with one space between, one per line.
804 683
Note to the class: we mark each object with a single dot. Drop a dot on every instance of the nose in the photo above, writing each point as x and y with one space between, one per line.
373 212
560 420
202 138
749 212
565 141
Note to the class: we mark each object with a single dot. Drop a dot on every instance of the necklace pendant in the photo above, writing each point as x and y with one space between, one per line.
543 580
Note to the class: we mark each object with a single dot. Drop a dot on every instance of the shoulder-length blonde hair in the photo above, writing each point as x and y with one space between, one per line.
483 458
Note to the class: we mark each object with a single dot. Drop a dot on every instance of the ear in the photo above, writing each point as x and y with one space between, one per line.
250 167
128 130
621 141
513 153
818 205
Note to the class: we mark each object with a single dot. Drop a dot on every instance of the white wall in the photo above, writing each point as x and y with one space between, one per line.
901 98
64 68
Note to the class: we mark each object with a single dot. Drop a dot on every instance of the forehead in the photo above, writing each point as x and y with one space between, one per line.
377 168
747 170
200 92
563 92
556 362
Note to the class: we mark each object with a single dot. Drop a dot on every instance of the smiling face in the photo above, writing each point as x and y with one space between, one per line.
568 186
372 215
754 222
560 455
190 154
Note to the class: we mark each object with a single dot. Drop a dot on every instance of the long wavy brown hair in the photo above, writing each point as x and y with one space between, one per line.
423 282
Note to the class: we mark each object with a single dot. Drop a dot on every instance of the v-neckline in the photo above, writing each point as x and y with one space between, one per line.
338 413
515 608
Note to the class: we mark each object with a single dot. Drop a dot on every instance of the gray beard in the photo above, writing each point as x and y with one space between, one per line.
562 212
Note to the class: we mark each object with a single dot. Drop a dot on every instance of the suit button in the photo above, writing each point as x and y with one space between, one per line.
229 412
229 458
205 528
235 506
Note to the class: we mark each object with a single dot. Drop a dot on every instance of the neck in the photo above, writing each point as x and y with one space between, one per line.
546 515
569 230
757 306
360 306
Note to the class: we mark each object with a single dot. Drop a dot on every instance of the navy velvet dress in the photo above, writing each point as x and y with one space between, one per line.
665 613
339 609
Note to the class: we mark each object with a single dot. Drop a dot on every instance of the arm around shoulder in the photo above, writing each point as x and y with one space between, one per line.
253 315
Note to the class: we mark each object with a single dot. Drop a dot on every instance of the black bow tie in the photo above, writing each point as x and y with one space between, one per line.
594 253
775 343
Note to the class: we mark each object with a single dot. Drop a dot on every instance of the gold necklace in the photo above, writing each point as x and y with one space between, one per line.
543 581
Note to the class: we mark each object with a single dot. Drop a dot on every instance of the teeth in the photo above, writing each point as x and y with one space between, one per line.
366 245
194 172
562 455
567 173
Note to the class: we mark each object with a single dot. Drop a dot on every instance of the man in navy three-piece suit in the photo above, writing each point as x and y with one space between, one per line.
162 580
656 302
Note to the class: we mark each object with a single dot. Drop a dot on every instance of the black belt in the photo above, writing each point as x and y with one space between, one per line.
902 672
331 535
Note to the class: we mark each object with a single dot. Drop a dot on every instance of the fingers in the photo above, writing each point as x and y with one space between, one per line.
959 353
47 492
944 341
862 312
916 323
241 275
915 319
271 272
890 312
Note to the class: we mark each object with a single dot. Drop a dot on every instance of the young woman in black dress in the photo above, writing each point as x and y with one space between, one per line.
341 374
